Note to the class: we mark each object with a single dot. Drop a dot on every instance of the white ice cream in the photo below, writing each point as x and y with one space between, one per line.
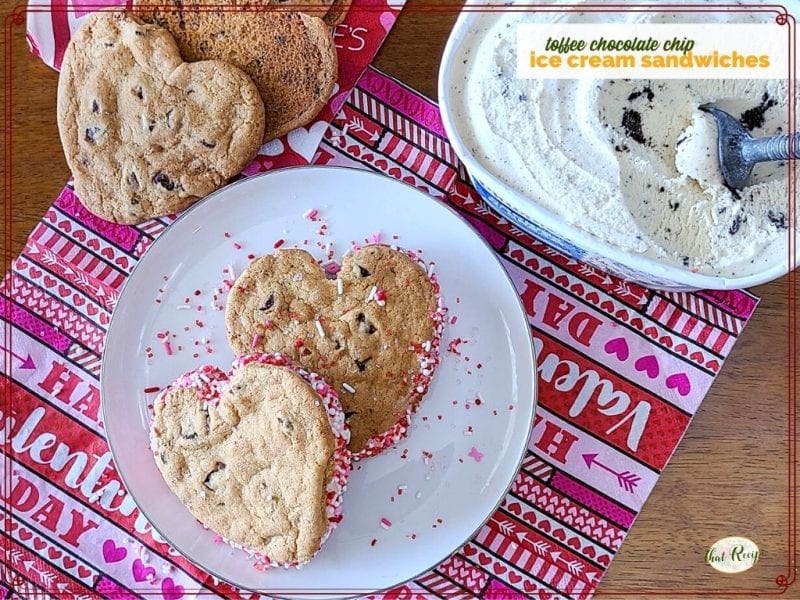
631 161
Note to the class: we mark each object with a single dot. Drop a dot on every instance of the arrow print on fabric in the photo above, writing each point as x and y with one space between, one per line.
27 362
625 479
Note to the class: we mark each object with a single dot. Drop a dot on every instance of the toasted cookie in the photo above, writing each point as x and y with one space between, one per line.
144 133
258 456
290 56
337 12
373 333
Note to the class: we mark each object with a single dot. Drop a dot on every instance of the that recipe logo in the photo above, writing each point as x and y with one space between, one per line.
652 50
733 555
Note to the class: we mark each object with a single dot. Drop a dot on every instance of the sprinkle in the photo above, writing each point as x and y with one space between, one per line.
268 324
230 272
227 234
237 245
298 343
453 320
279 243
431 268
332 268
320 330
371 294
339 287
468 430
152 390
349 388
375 237
373 542
256 340
168 348
476 454
418 495
183 307
166 568
311 213
385 523
380 297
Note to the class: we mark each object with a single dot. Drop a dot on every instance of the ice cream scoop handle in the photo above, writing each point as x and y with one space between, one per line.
777 147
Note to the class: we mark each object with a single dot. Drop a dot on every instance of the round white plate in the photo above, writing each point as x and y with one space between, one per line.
435 502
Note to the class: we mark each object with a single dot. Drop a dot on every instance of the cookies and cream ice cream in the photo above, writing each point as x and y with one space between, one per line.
633 161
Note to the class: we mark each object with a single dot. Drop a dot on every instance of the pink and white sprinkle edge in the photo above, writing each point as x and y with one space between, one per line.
421 382
208 381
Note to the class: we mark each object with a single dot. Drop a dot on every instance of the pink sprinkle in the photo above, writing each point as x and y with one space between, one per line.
279 243
152 390
217 539
237 245
227 234
380 297
259 566
311 214
168 348
256 340
332 268
385 523
375 238
453 320
268 324
476 454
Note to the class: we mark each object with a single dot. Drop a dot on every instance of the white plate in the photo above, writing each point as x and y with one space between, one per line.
452 486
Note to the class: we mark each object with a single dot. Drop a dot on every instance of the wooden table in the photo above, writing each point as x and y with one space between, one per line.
729 475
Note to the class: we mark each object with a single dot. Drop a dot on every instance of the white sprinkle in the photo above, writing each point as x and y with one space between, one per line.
319 328
349 388
231 273
339 286
166 568
297 276
183 307
431 267
371 294
418 495
196 229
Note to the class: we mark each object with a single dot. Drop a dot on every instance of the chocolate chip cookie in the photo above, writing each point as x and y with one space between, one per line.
290 56
144 133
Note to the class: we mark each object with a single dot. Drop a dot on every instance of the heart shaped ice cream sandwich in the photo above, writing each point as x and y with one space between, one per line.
373 333
258 455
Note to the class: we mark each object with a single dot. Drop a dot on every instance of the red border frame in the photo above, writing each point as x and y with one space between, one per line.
17 17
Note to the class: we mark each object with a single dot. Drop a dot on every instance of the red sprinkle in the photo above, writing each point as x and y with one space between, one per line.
152 390
237 245
373 542
298 343
279 243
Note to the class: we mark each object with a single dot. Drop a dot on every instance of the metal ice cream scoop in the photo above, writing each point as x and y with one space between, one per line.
739 151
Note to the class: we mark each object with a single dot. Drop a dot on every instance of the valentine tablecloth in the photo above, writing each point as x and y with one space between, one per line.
621 369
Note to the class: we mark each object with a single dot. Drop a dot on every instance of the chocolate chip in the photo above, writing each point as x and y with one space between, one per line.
685 260
138 92
164 181
777 218
151 126
364 326
737 222
139 32
350 413
92 133
754 117
203 46
336 345
363 272
167 116
269 303
646 91
208 144
632 122
286 425
95 106
213 479
362 364
108 44
163 457
133 180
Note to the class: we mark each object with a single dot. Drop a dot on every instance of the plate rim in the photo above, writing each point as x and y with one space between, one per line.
529 414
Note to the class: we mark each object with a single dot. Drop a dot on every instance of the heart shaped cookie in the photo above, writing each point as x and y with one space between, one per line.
373 333
258 455
144 133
